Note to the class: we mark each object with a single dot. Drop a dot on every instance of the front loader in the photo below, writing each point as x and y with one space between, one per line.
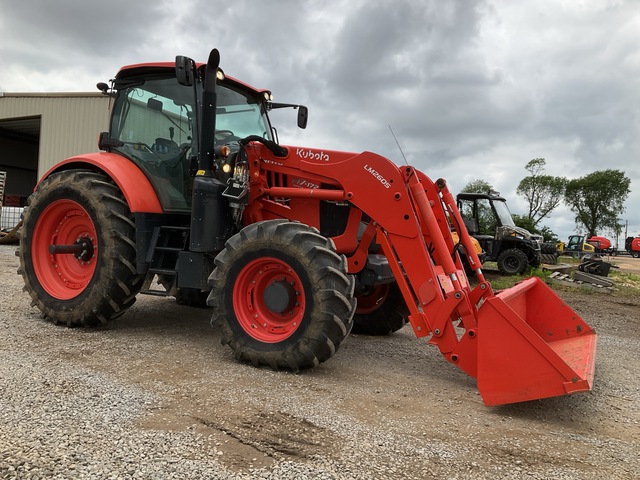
293 247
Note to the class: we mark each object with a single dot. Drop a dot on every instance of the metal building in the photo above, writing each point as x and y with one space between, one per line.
37 130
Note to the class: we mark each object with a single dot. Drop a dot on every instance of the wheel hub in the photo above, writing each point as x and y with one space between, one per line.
82 249
280 296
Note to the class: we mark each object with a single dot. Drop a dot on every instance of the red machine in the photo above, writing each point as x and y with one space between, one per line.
601 244
632 245
293 247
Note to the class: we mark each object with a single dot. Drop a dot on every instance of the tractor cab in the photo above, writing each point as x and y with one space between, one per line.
578 247
155 123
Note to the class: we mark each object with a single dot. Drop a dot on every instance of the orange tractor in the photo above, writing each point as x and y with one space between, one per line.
293 247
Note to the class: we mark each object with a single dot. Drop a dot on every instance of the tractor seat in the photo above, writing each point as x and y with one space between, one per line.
165 146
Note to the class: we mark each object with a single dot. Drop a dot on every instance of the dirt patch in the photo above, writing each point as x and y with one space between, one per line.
625 263
383 407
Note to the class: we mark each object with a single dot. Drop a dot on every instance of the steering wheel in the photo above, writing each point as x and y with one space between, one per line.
139 144
225 136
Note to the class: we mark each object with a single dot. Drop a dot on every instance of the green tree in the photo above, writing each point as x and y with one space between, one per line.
597 199
477 186
548 235
542 192
525 222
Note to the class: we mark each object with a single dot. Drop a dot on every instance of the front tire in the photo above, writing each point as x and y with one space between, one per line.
513 262
87 212
281 296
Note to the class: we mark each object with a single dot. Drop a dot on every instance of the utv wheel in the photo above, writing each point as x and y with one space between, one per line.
77 252
281 296
380 311
512 262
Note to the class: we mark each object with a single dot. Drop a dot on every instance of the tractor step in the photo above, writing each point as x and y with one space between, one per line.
166 244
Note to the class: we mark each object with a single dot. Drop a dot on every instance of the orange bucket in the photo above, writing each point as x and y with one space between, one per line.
532 345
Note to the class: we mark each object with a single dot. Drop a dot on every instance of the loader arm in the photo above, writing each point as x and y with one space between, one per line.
411 218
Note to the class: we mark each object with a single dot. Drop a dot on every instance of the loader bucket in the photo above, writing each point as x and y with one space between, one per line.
532 345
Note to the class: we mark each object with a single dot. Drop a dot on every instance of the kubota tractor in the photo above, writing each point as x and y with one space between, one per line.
292 247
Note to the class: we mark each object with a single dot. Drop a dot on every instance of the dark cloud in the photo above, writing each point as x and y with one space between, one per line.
472 89
46 35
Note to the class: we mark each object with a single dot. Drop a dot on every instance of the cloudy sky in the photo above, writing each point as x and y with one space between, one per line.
472 89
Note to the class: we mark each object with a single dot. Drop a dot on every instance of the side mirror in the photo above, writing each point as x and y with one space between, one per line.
303 115
185 68
105 142
106 89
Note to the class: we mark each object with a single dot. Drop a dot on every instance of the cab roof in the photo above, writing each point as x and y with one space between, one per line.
169 67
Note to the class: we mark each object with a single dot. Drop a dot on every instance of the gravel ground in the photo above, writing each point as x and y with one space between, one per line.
154 396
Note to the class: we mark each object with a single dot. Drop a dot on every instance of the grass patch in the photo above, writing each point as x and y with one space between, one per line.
570 260
502 282
627 284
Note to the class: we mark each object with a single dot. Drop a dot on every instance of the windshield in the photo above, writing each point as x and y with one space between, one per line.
503 213
155 119
239 116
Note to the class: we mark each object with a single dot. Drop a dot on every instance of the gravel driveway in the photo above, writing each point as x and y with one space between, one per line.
155 396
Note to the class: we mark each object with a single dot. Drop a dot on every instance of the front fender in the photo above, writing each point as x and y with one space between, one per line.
137 190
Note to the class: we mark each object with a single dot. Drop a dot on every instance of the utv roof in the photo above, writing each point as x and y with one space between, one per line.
169 67
487 195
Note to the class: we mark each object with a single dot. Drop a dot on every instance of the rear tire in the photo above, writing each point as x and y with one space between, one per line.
513 262
381 311
549 258
87 289
281 296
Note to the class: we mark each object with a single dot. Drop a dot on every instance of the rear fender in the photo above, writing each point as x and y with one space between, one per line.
138 191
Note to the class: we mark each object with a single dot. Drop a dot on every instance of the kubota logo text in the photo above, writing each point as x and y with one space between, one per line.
309 154
380 178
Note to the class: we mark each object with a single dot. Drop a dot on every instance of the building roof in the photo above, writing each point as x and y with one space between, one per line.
50 94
